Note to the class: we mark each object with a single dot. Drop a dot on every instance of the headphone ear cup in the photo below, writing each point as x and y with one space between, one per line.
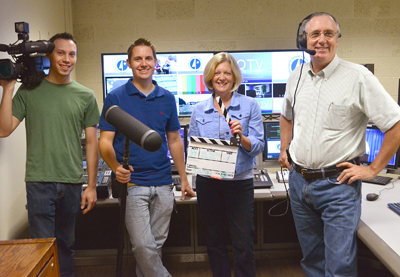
302 40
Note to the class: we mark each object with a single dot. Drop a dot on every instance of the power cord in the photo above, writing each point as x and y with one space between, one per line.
287 200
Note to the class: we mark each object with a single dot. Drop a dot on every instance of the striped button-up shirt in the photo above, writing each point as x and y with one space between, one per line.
332 109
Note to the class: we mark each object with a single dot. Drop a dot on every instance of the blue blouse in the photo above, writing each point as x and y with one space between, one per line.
205 122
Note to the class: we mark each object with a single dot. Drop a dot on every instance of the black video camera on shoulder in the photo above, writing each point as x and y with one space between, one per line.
29 56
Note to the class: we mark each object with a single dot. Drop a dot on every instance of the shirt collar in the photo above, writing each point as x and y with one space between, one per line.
157 92
233 105
328 70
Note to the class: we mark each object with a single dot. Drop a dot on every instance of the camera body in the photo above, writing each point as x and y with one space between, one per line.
29 56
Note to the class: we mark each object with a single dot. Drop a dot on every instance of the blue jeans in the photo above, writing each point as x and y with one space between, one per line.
326 216
52 212
228 202
148 214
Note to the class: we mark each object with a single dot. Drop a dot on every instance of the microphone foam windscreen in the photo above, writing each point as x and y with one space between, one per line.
133 129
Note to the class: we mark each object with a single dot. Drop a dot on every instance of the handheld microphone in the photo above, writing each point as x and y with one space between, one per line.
133 129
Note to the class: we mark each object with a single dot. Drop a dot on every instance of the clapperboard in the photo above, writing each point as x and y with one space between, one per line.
208 156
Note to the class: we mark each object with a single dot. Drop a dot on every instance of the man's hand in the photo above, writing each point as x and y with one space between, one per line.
283 160
187 190
354 172
123 175
90 196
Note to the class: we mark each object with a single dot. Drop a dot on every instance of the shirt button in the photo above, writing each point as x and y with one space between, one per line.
227 133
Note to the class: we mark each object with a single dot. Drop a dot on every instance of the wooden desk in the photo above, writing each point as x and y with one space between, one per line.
30 257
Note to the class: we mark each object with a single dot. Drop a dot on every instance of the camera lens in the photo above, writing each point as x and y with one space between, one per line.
6 69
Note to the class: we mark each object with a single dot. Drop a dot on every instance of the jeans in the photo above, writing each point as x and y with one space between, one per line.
52 212
148 214
231 203
326 216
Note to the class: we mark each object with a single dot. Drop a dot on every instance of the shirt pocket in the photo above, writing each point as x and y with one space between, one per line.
244 118
206 127
337 117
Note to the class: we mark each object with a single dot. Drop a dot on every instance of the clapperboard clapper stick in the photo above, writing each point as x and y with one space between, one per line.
235 140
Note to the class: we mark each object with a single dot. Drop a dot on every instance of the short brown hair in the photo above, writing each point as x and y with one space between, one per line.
144 42
64 35
209 70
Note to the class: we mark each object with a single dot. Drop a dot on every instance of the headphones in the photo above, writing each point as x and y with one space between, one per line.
301 39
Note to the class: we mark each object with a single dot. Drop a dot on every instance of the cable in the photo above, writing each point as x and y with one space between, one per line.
287 200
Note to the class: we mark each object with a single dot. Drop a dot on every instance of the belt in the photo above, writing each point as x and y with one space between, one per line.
321 173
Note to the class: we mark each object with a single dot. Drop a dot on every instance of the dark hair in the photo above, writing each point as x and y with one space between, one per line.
144 42
64 35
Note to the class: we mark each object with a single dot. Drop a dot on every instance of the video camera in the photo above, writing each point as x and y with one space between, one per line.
29 57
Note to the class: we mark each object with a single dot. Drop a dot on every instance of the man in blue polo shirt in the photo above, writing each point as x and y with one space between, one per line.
150 199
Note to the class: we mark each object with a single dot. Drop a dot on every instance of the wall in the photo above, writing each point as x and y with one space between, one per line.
370 30
45 18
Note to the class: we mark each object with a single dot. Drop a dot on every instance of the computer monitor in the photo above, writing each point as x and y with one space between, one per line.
183 132
272 136
374 138
265 74
179 72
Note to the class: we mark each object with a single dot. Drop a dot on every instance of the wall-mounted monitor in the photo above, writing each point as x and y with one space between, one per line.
265 74
179 72
272 137
374 138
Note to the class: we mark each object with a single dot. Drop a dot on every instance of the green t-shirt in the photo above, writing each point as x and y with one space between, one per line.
54 118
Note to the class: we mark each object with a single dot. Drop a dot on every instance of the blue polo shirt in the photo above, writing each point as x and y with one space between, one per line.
158 111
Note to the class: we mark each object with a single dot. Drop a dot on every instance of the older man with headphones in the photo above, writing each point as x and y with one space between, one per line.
327 106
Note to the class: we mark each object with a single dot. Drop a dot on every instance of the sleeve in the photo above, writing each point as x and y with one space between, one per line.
92 114
378 105
19 104
193 128
173 122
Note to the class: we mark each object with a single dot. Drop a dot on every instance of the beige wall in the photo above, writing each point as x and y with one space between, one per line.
371 30
45 18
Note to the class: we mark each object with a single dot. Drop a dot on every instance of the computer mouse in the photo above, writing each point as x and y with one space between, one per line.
372 196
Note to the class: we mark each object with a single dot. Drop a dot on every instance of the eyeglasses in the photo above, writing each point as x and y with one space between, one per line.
328 35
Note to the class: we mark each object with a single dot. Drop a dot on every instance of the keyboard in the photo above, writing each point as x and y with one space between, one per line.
261 180
395 207
379 180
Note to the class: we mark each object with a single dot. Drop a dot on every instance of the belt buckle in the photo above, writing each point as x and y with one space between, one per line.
303 170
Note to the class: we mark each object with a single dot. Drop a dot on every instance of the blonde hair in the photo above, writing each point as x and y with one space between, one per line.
209 70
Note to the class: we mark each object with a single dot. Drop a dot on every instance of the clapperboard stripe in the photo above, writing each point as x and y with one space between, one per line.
226 115
223 109
210 141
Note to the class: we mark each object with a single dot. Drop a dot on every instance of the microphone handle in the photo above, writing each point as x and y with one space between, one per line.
125 157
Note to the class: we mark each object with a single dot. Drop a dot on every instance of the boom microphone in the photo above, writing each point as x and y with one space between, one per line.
133 129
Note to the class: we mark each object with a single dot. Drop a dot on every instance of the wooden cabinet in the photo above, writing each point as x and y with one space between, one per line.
31 257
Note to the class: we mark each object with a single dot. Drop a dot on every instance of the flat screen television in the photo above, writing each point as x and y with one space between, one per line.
374 138
179 72
272 137
265 74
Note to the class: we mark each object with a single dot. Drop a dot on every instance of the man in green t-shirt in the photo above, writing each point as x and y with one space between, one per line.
55 113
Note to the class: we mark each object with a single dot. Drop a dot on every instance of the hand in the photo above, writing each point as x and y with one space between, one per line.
217 177
236 128
123 175
354 172
90 196
283 161
8 84
187 190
